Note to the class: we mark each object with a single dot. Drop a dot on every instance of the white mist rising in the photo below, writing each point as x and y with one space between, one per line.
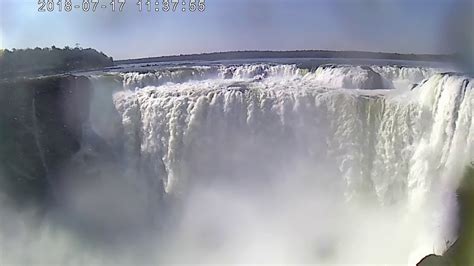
271 164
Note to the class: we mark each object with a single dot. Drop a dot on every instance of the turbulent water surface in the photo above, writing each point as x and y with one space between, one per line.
254 163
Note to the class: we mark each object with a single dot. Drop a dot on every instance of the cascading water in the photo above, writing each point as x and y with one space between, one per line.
366 134
272 163
275 133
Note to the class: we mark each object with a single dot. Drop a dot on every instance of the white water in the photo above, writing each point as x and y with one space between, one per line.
276 164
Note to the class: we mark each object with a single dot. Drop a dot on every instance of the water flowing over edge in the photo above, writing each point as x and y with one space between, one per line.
382 139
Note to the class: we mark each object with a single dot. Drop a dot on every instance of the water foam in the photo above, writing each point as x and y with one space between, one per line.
276 164
265 125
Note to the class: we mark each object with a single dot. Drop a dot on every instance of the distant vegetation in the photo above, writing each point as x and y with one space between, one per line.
289 54
40 61
45 61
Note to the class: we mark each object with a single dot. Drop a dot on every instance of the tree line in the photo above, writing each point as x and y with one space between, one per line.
233 55
42 61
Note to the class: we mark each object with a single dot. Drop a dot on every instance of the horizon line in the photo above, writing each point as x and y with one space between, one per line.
286 51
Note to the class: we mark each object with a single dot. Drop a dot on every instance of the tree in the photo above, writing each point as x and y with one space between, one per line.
23 62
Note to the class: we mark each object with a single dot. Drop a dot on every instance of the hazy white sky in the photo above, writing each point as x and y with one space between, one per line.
406 26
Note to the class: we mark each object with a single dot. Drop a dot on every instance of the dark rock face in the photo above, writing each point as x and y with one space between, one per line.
41 123
373 81
229 73
52 158
433 260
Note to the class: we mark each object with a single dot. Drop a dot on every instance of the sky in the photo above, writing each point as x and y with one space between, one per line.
404 26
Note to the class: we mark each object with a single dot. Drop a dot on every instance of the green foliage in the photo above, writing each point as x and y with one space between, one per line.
24 62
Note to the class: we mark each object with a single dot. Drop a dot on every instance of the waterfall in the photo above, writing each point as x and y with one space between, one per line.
255 128
262 163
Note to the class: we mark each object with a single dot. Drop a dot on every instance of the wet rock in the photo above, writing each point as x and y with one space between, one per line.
41 123
433 260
